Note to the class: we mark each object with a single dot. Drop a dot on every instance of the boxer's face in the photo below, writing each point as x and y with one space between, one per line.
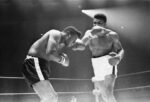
70 40
99 22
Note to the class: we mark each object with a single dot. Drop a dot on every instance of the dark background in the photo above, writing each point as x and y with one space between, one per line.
23 21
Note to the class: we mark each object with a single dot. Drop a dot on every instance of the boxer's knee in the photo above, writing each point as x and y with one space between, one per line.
49 98
96 92
110 81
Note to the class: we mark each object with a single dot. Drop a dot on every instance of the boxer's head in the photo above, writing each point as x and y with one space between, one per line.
100 20
71 36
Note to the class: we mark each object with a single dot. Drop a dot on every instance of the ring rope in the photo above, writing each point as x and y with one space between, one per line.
3 77
132 88
130 74
124 75
35 93
68 79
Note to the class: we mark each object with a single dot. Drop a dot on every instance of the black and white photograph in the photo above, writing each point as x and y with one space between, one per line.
74 50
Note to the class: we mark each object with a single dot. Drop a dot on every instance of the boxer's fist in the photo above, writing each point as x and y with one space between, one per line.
96 30
114 59
78 45
64 60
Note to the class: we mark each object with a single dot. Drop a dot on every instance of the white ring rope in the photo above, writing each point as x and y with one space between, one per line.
3 77
123 89
133 88
130 74
35 93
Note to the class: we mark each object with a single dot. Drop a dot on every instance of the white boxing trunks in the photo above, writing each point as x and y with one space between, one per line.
102 68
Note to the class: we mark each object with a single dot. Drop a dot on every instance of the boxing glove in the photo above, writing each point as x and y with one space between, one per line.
96 29
114 59
64 60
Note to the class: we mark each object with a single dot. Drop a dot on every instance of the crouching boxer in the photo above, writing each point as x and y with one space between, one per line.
47 48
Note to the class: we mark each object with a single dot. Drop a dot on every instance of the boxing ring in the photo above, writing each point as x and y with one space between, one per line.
118 91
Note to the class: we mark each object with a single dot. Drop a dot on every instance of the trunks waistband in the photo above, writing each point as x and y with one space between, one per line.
98 56
28 57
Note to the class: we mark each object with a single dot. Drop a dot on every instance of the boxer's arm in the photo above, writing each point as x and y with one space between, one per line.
117 52
53 35
86 38
80 44
52 51
51 46
117 47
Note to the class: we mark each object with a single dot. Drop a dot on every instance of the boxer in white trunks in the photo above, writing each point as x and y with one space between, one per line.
107 52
